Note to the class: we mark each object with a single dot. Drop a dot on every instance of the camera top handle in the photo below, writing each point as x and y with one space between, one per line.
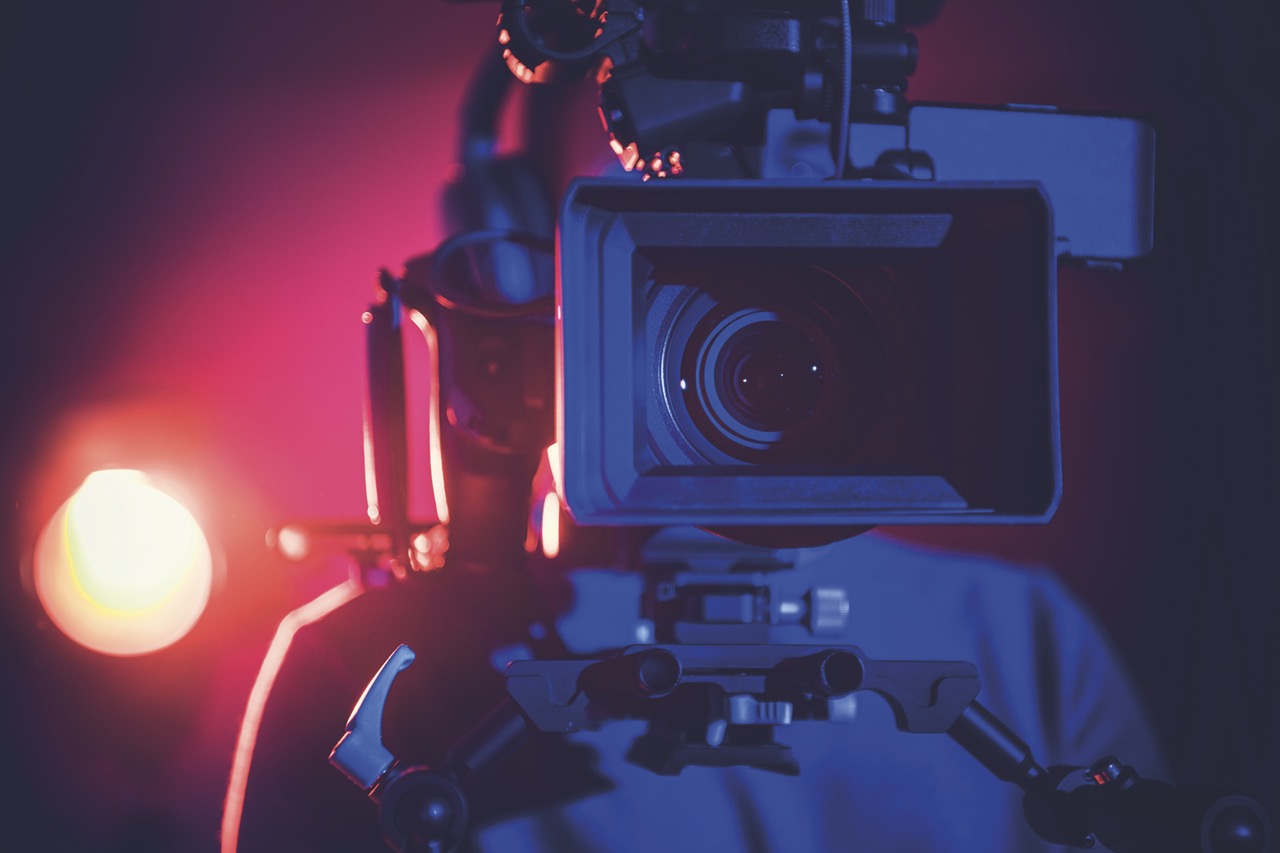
696 82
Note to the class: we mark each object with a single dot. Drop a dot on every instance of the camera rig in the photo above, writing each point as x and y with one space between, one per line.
718 90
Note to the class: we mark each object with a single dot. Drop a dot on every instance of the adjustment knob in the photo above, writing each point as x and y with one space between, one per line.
828 610
748 711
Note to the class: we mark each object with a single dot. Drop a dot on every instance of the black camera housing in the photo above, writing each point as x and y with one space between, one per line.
830 353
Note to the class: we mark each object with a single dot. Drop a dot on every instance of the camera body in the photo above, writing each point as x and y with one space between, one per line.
822 306
792 352
748 352
821 309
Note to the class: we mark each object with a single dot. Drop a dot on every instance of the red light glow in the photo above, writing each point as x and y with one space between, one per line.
554 465
551 525
122 568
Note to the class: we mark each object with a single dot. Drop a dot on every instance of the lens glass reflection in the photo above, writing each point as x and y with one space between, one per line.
775 364
773 375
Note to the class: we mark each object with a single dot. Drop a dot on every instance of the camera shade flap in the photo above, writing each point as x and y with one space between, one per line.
836 353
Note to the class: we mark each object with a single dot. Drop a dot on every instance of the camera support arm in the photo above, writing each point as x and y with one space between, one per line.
717 706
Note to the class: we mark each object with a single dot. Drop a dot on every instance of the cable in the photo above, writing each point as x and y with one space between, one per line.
481 109
846 100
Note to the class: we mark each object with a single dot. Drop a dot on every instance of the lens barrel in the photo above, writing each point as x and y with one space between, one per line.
767 365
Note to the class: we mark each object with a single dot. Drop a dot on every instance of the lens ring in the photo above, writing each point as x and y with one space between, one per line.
853 319
816 318
717 408
754 403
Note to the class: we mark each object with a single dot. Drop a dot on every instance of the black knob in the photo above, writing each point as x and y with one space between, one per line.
422 809
1238 828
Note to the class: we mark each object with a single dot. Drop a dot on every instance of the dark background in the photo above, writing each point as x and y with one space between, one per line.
195 199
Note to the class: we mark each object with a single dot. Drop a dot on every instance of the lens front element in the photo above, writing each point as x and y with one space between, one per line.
759 376
767 366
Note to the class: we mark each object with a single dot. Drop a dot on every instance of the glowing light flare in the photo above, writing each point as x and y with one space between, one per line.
370 472
292 541
554 463
523 72
123 568
604 69
628 155
659 166
433 419
429 549
551 525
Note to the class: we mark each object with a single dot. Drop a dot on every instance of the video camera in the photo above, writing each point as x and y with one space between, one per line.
810 308
822 307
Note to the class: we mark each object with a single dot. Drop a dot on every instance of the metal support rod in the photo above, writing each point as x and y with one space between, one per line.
995 745
488 743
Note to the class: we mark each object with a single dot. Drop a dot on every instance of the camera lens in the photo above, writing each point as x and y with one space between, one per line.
760 375
774 376
771 365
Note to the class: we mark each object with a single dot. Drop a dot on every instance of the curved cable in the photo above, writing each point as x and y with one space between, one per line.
481 109
846 100
255 707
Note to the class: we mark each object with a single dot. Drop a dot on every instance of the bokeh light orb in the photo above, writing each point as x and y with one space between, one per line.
123 568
